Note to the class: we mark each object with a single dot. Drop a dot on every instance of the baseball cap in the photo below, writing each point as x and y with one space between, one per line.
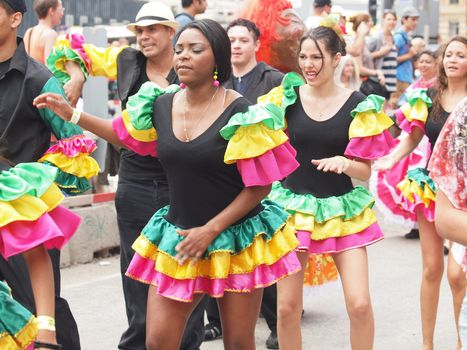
410 12
17 5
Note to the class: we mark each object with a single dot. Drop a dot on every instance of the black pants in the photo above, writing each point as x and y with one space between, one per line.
268 309
15 273
136 202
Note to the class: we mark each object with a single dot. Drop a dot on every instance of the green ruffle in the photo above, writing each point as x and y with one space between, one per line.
347 206
371 103
289 83
422 177
70 55
139 105
70 184
234 239
418 94
26 178
13 316
271 115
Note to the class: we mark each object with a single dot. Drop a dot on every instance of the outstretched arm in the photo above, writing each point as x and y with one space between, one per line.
98 126
74 87
404 148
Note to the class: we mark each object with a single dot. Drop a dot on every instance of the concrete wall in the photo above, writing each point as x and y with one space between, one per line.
98 230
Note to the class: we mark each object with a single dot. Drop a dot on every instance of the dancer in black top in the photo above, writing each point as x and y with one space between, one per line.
215 237
329 215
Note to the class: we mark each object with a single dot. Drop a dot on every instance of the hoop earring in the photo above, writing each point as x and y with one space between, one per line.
216 82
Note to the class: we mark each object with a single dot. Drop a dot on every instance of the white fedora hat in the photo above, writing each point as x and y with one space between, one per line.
154 13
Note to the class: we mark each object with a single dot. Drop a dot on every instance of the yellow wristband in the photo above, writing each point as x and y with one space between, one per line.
75 116
46 323
346 163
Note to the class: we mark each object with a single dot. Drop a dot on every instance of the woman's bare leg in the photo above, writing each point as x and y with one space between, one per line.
165 320
239 312
289 308
433 267
353 270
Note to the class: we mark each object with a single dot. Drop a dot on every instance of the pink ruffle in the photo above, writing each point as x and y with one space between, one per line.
274 165
52 229
143 270
406 125
418 206
371 147
76 43
333 245
73 146
142 148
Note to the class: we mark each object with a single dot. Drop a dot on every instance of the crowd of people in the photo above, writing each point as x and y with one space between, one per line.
277 122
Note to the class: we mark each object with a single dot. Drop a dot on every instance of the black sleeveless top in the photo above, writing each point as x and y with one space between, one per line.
201 185
316 140
433 127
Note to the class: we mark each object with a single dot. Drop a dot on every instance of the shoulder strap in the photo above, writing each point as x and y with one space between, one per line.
28 49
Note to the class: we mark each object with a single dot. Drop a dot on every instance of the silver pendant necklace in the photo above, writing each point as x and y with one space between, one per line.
188 138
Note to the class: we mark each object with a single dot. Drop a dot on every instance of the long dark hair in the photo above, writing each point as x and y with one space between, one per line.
442 81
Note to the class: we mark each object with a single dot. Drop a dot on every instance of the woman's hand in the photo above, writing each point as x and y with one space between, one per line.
337 164
196 241
56 103
73 90
384 163
380 76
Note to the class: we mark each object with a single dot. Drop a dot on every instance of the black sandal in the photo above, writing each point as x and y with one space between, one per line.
39 344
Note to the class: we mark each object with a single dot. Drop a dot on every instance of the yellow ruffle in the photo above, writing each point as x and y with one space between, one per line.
60 63
30 208
222 264
21 340
335 227
274 96
148 135
103 60
252 141
80 166
409 188
419 111
369 123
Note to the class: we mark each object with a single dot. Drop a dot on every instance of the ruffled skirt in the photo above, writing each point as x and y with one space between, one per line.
30 214
18 328
330 225
253 254
418 193
384 185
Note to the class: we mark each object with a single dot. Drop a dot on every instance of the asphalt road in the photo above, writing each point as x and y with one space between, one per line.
94 293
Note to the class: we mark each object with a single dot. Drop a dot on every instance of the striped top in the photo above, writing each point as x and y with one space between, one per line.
389 69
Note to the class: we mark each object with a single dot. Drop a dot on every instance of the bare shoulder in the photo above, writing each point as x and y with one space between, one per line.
49 35
230 96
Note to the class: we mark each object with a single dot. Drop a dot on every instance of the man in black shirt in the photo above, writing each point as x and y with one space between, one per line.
251 79
22 79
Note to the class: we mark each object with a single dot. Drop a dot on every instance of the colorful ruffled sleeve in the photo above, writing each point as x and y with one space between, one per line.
93 60
257 141
414 113
135 128
368 131
71 153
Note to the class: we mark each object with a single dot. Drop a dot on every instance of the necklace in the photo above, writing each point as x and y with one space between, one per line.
185 131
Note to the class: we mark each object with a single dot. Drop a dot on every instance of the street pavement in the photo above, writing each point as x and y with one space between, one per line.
94 293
